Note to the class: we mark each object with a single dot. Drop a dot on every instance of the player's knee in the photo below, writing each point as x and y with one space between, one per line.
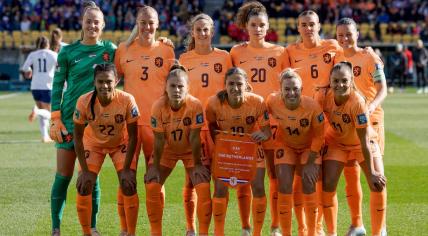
128 191
220 191
258 189
329 183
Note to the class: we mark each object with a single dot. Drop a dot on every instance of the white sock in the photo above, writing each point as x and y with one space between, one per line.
44 125
43 113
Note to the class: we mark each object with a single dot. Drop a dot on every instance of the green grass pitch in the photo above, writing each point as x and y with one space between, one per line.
28 167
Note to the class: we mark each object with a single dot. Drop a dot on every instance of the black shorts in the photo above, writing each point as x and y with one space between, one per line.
42 95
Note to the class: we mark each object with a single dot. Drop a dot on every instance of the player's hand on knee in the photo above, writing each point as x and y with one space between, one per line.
57 129
201 174
310 172
128 181
377 182
85 182
152 175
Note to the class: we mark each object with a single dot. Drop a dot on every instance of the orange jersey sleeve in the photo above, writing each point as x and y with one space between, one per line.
345 119
206 72
245 119
144 71
176 125
262 65
365 63
109 128
313 65
301 128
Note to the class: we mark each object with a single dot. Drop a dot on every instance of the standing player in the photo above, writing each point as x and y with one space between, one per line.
43 62
236 109
144 64
263 62
370 81
313 58
177 119
206 67
103 120
302 122
75 66
350 136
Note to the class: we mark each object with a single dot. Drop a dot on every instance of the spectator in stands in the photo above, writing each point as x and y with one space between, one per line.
420 57
397 64
409 65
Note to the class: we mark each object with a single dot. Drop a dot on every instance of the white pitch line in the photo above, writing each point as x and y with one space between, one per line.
20 141
8 95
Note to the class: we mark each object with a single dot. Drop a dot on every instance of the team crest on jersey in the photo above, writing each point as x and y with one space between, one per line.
153 122
271 62
362 119
187 121
199 118
106 56
77 114
87 154
119 118
266 115
218 67
134 112
250 120
356 70
346 118
320 117
327 58
159 61
304 122
279 153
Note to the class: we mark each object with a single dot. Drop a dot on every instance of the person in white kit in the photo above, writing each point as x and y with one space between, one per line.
40 67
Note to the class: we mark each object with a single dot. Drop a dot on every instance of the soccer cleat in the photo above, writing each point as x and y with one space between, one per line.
123 233
56 232
95 232
420 91
47 140
383 232
246 232
275 232
391 90
190 233
320 232
356 231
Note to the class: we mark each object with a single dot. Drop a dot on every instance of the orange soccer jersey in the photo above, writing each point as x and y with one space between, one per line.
314 64
303 127
263 66
108 129
145 71
344 120
243 119
365 63
177 124
206 72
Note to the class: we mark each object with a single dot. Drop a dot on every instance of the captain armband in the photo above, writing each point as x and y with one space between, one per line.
378 75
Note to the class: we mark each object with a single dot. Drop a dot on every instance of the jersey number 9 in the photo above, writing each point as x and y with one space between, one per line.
204 79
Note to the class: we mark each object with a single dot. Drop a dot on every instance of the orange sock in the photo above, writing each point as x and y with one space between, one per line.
121 210
298 205
131 205
285 205
311 212
273 197
189 199
354 194
244 202
219 212
204 207
154 208
320 216
377 211
330 211
84 211
258 212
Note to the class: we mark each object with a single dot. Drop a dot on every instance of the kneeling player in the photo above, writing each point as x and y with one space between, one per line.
111 116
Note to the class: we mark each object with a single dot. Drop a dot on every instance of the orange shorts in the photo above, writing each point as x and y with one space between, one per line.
95 157
291 156
169 159
207 146
145 141
379 128
336 153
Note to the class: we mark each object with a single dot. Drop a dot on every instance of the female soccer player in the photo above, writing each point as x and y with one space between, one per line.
103 121
350 136
263 62
232 109
43 62
313 58
370 81
144 64
75 66
302 122
177 119
206 67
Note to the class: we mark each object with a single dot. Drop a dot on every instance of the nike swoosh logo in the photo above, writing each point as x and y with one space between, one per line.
295 61
128 61
218 214
242 62
191 69
77 60
283 212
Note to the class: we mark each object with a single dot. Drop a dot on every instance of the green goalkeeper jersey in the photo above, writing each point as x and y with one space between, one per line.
76 63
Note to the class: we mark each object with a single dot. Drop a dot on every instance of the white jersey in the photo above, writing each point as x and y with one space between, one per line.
44 63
